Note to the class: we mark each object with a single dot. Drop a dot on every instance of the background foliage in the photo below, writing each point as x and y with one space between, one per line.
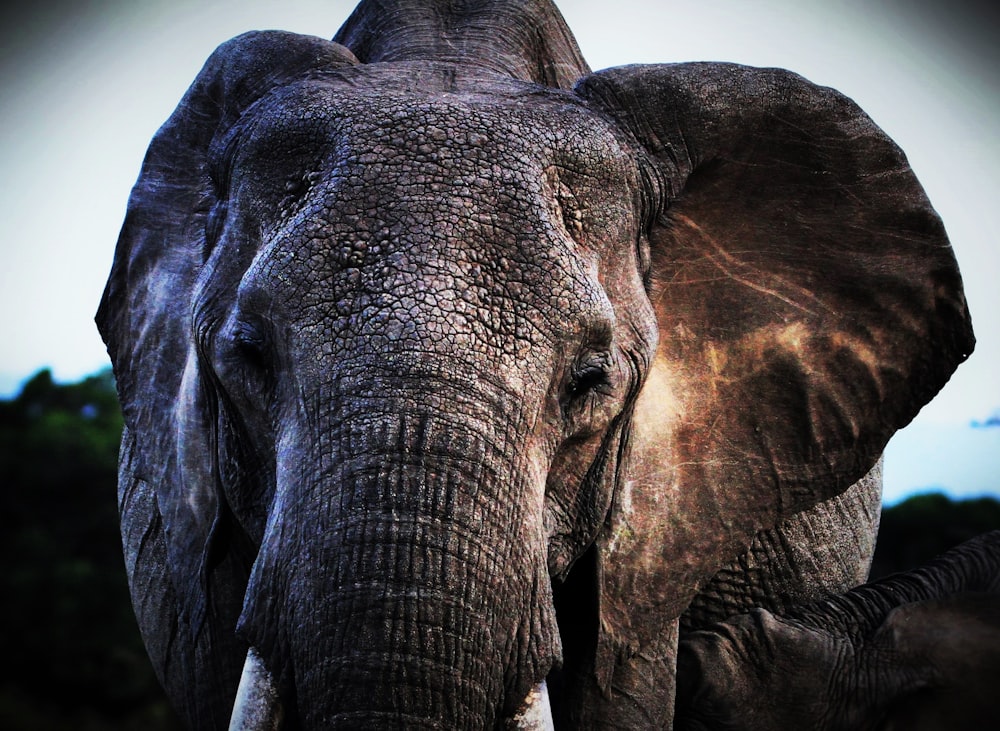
73 657
926 525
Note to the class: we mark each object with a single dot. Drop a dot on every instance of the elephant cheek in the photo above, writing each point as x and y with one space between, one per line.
404 590
579 489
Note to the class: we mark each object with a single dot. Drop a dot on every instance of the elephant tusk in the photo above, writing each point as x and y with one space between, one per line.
535 714
257 706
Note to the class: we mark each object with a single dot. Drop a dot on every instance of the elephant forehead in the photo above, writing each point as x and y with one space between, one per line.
421 109
376 143
410 203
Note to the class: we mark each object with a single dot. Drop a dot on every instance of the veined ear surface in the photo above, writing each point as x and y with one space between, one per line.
145 315
808 304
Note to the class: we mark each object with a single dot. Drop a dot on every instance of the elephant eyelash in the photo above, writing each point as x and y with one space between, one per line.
585 403
252 350
589 378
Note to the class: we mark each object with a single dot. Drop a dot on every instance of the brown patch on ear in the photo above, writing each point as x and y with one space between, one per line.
807 299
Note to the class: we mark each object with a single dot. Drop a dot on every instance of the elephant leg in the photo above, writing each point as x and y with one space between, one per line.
824 550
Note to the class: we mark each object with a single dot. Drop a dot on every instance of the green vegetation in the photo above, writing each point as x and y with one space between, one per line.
924 526
73 657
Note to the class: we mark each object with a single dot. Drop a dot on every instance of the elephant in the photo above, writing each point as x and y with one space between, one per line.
458 378
916 651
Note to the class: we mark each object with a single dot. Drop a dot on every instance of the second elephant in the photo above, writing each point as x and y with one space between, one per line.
918 651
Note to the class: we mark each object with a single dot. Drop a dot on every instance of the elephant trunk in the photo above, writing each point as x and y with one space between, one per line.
405 585
973 566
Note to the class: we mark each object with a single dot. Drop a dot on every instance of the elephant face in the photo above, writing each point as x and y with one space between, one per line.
423 357
402 340
414 249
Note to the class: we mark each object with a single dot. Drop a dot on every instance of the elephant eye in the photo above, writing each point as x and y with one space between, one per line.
587 403
251 347
245 359
589 377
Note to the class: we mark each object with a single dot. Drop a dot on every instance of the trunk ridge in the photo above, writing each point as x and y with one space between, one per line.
407 580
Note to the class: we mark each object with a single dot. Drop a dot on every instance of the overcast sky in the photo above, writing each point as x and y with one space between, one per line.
85 86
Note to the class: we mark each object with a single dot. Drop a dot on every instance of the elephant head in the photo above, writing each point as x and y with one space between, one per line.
445 361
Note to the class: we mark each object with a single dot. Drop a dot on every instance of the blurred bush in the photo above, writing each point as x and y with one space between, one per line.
72 654
924 526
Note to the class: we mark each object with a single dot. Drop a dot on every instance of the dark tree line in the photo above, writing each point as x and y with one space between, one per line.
921 527
72 654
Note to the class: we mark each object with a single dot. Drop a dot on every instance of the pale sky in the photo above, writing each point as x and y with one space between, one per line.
84 89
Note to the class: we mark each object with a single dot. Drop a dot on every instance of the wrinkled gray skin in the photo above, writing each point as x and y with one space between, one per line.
446 363
914 651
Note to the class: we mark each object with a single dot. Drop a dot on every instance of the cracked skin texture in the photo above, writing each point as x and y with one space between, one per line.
440 371
422 217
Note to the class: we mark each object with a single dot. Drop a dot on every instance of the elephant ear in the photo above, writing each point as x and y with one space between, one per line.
145 316
808 304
